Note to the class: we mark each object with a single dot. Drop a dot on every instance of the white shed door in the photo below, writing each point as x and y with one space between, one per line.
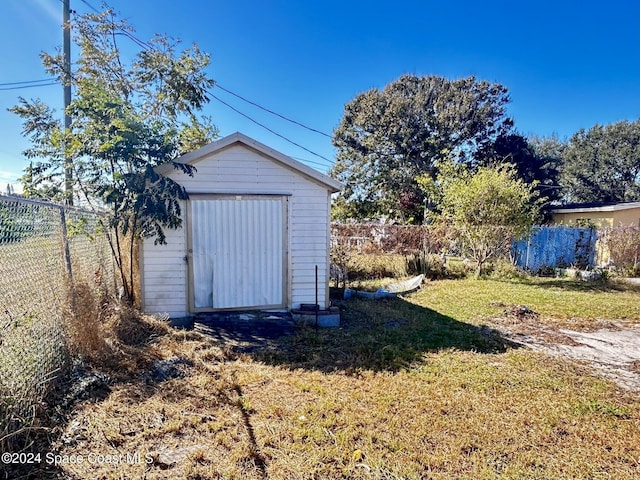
238 246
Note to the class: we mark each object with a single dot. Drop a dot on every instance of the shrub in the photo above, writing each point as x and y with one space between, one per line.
490 207
457 268
506 270
623 244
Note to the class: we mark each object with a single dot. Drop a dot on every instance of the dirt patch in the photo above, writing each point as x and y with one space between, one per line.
613 353
612 348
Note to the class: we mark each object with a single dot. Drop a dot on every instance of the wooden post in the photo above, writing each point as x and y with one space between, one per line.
68 161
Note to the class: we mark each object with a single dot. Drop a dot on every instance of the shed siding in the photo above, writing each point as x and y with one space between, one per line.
164 284
241 170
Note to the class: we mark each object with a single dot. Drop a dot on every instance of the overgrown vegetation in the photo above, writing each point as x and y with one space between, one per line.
490 208
32 294
32 354
56 279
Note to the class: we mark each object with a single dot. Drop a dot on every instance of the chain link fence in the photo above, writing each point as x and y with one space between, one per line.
44 250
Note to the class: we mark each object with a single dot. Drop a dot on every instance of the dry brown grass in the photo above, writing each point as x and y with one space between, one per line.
377 266
84 328
179 424
109 333
454 415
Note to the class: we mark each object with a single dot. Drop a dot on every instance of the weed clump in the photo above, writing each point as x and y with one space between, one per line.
110 334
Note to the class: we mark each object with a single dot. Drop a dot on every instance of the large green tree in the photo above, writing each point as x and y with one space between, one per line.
126 118
490 208
387 138
602 164
534 161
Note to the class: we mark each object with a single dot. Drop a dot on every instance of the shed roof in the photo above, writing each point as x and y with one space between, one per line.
239 138
596 207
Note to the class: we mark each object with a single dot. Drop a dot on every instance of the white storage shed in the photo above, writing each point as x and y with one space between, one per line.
254 228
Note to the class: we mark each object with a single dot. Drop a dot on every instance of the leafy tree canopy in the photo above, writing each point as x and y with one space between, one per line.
388 137
126 118
602 164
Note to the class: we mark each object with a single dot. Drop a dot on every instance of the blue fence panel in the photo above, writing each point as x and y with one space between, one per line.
556 247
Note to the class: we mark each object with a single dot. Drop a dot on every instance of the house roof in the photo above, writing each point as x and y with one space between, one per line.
596 207
280 158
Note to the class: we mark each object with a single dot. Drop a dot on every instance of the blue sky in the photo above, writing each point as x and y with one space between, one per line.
567 64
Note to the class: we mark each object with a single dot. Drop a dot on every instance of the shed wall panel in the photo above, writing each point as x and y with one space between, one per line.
164 271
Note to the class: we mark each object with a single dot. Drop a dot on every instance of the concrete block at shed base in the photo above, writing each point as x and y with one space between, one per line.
326 318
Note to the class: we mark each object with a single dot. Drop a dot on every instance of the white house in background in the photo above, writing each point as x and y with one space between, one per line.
254 228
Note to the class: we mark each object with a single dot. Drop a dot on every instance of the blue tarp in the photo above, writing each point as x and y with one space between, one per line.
556 247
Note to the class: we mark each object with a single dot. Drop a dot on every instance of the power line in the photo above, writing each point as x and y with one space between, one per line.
30 86
146 46
269 129
90 6
271 111
6 84
306 160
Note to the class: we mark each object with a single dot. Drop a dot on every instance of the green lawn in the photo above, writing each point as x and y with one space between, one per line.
557 299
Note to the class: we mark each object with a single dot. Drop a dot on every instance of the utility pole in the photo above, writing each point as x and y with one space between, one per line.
66 47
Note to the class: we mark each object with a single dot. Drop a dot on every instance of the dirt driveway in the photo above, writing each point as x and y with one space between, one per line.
611 348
